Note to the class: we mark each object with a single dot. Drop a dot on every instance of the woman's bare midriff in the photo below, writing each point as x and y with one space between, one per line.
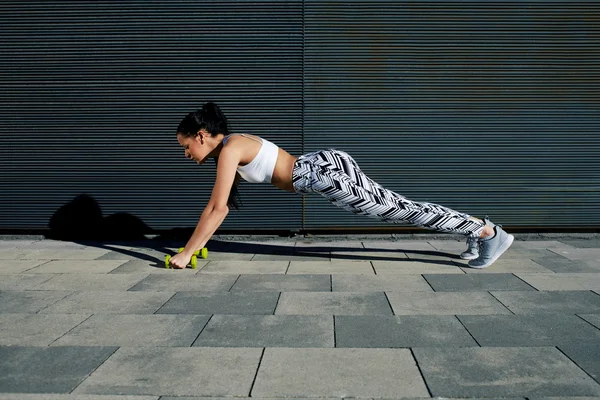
282 174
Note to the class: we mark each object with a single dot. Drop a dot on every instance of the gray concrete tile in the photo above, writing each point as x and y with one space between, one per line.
578 254
379 283
505 266
575 302
593 319
91 282
327 245
244 303
141 254
18 266
529 330
475 282
404 331
539 244
245 267
283 283
586 356
562 264
17 282
110 302
291 257
267 331
185 282
64 254
12 244
368 256
30 301
77 267
341 303
445 303
416 267
136 330
449 246
48 369
153 267
55 396
12 253
582 243
399 245
567 281
338 373
35 329
502 372
331 267
173 371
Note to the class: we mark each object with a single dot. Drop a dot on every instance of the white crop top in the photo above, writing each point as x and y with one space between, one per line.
260 169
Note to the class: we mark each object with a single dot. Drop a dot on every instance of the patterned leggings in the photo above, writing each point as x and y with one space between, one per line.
336 176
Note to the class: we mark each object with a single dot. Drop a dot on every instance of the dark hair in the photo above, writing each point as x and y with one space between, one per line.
210 118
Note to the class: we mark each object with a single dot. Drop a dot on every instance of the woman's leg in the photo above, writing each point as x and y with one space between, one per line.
336 176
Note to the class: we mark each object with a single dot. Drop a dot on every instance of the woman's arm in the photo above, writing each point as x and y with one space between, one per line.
216 210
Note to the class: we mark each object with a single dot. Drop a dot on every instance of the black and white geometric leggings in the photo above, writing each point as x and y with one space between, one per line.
336 176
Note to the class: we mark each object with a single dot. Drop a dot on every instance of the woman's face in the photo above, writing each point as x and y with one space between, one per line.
195 147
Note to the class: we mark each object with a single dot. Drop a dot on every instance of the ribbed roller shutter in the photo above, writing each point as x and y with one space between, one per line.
92 92
488 107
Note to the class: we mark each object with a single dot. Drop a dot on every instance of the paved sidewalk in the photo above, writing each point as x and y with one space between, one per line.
300 318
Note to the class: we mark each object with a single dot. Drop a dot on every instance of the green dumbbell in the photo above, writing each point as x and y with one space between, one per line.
194 261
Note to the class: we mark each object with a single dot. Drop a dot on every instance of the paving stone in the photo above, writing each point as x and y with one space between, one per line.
562 264
18 266
338 373
529 330
244 303
326 246
12 253
185 282
64 254
506 266
416 267
400 245
593 319
153 267
12 244
54 396
576 281
368 256
579 254
582 243
475 282
502 372
29 301
586 356
267 331
341 303
331 267
77 266
48 369
445 303
110 302
281 283
172 371
91 282
379 283
17 282
575 302
245 267
229 256
290 257
136 330
35 329
449 246
404 331
539 244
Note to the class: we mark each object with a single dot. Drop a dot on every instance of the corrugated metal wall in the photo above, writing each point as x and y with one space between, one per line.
93 91
487 107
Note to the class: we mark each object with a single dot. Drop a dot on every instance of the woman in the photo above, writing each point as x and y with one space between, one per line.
331 173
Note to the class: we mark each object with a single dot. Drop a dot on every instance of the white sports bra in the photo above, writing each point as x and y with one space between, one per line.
260 169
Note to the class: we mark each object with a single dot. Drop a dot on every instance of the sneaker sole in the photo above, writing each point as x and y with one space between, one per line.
473 257
503 247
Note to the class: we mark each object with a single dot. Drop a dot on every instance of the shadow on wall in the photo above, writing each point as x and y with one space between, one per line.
81 219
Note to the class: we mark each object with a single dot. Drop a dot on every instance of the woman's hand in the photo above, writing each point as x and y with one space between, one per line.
180 261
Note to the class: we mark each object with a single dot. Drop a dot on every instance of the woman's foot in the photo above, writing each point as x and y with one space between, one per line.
472 251
492 247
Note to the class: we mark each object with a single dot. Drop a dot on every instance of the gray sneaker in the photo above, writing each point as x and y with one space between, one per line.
472 251
492 248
